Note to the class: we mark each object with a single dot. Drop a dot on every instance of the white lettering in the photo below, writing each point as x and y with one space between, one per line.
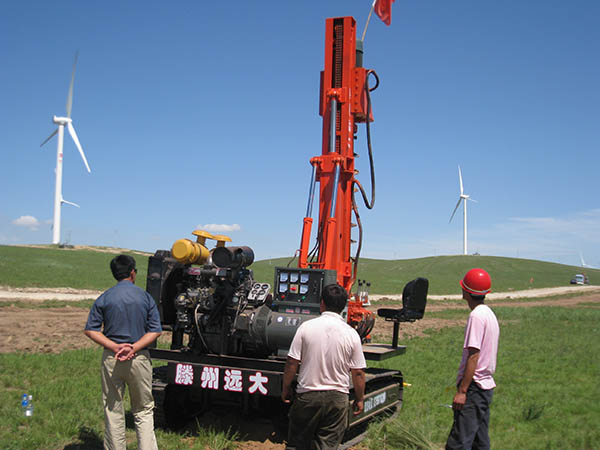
233 380
184 374
374 402
258 379
210 378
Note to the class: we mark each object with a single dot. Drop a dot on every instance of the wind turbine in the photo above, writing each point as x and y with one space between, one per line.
462 198
62 122
583 264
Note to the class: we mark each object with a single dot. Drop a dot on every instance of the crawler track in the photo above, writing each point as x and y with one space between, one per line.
383 399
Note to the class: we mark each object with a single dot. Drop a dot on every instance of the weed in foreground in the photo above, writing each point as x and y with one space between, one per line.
532 411
216 440
397 434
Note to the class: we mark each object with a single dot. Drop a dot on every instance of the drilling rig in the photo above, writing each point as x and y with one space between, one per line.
231 333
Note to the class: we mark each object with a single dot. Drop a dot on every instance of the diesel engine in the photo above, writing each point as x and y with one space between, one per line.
212 304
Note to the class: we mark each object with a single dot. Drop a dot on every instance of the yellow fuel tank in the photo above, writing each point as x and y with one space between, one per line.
189 252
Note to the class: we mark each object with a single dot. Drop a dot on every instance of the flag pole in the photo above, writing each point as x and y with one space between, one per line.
368 20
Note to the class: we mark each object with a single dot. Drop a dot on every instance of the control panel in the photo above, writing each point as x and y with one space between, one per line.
300 289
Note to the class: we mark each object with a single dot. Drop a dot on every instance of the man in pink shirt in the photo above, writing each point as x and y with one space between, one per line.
475 381
330 351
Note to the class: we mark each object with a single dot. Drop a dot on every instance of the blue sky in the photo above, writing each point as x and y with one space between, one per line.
199 113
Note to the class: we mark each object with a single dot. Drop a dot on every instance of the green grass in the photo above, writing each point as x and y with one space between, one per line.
65 394
547 397
547 376
53 267
68 408
443 272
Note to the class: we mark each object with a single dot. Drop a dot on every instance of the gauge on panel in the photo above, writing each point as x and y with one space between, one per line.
293 277
304 278
283 277
283 287
303 289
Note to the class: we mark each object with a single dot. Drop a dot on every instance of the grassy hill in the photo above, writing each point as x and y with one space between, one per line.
444 272
89 269
52 267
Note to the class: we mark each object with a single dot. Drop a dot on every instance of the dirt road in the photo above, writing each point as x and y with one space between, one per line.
529 293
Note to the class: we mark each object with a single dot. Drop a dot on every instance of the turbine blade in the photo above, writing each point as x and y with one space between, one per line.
76 140
454 212
70 96
472 199
49 137
70 203
460 180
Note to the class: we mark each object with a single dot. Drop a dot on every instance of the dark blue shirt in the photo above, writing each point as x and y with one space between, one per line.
127 313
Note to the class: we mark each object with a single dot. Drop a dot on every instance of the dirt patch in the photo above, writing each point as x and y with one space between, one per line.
47 330
383 330
52 330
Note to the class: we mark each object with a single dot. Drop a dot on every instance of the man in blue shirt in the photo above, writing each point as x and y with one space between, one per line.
125 320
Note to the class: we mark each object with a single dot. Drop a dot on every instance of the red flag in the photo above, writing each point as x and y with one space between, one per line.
383 8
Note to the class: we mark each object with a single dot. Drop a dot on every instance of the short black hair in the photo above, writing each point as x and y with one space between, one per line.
335 298
478 298
121 266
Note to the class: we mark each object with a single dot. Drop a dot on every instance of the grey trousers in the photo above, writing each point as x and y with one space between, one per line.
318 420
137 375
470 427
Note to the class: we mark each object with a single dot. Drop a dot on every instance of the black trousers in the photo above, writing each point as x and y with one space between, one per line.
318 420
470 427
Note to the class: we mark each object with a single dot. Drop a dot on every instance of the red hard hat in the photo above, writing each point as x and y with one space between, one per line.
476 282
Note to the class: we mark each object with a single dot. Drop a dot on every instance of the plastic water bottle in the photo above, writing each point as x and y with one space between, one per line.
24 402
29 410
27 405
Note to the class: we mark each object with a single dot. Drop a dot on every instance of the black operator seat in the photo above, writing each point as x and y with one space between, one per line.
414 299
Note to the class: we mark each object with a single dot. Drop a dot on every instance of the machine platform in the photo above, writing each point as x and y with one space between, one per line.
380 352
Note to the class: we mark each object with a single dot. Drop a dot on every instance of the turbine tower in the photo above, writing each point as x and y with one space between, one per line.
462 198
62 122
583 264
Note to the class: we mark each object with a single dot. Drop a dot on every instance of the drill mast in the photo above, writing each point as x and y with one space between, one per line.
343 103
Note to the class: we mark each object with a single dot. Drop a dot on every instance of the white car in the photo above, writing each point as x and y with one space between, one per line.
580 279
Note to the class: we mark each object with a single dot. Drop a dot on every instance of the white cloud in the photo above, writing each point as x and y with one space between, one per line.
558 238
583 224
27 221
219 228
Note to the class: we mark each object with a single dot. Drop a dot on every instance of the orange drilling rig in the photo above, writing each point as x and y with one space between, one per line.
344 102
231 333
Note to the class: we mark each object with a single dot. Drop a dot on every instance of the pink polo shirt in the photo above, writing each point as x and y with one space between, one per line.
328 348
482 332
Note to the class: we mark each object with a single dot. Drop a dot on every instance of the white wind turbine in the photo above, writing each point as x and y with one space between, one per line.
583 264
462 198
62 122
